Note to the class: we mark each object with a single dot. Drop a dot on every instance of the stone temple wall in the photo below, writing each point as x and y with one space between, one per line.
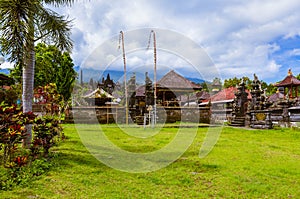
116 114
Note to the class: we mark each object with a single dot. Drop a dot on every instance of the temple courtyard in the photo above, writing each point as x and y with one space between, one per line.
245 163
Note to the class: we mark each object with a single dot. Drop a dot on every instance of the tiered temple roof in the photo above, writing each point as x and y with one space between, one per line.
289 80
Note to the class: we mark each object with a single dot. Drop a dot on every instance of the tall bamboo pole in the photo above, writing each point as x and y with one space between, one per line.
155 60
121 40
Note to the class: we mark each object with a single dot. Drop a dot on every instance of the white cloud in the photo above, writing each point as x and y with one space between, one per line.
272 66
239 36
294 52
7 65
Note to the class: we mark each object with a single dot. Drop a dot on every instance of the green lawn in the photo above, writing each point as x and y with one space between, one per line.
243 164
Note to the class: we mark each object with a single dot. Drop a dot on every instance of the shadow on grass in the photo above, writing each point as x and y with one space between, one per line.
73 153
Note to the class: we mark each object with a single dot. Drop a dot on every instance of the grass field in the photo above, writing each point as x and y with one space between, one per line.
243 164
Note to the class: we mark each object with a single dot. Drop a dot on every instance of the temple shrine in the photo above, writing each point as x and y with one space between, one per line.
290 86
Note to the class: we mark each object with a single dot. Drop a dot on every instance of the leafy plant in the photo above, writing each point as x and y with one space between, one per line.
20 164
9 96
46 129
55 105
12 131
22 175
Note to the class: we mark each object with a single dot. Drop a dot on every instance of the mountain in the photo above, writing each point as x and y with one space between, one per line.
195 80
117 76
96 75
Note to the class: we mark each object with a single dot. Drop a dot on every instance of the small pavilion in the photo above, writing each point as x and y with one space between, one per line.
172 85
98 97
290 85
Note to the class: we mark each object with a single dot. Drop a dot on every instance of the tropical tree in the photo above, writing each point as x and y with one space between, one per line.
232 82
270 88
54 66
22 23
205 86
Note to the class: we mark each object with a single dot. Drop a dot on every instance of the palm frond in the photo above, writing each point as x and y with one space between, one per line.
54 28
15 27
59 2
18 17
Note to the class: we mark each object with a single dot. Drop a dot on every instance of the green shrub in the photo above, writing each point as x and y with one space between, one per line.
11 177
46 130
20 164
12 132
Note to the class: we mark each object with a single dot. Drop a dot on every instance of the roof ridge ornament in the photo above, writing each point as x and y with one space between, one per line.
290 72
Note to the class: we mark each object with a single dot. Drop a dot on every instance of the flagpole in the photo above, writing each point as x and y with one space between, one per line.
155 60
121 39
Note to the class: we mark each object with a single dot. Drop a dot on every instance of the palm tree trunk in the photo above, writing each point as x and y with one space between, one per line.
27 95
28 81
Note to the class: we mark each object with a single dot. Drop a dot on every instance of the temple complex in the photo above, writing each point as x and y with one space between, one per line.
179 99
263 112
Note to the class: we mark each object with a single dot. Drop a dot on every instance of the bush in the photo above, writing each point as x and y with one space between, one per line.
20 164
9 96
46 130
11 177
12 132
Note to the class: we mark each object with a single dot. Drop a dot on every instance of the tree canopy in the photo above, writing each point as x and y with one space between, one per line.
232 82
270 89
54 66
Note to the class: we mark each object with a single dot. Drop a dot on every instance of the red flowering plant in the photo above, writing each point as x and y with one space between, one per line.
46 130
12 132
49 96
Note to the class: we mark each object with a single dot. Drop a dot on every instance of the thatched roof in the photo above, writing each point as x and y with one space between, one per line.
201 95
98 93
140 91
289 80
276 96
174 81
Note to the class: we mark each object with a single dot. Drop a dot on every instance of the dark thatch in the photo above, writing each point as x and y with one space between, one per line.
140 91
201 95
275 97
174 81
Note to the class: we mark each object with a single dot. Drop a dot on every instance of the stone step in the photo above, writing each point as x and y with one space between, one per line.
238 121
238 125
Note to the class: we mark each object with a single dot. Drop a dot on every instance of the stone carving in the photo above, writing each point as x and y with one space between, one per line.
239 107
259 117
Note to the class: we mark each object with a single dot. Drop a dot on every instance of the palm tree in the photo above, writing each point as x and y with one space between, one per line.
24 22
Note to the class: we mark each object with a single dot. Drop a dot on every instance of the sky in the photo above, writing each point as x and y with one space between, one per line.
239 37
